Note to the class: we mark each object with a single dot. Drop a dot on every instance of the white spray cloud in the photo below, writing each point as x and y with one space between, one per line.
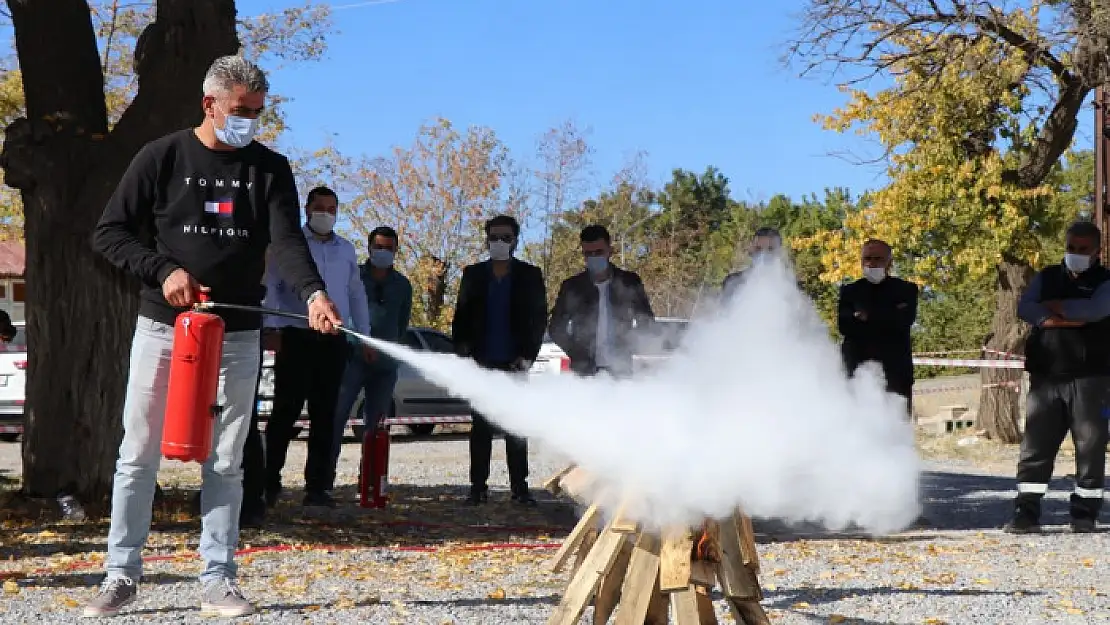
753 411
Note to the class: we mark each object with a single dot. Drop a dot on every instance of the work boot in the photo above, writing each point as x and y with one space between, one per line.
318 499
115 594
523 497
477 496
1082 525
224 598
1023 523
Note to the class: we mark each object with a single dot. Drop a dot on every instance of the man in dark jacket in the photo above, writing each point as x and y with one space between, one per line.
499 321
1067 356
601 313
875 315
765 245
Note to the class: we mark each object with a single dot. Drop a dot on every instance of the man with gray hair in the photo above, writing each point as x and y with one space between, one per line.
195 212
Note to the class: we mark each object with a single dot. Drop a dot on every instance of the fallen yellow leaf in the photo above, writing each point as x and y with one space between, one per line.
1073 610
497 594
836 618
801 605
11 587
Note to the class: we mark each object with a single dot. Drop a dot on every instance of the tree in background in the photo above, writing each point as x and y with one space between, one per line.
77 127
561 178
437 195
984 103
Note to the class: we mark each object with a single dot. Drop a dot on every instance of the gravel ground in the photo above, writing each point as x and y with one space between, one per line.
353 565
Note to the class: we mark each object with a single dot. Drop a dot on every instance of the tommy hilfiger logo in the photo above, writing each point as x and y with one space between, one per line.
218 183
238 233
224 208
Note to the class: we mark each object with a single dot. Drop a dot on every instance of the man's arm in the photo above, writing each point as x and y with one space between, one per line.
537 307
641 304
131 206
405 317
1029 308
360 307
849 326
557 326
1096 308
896 317
289 248
460 324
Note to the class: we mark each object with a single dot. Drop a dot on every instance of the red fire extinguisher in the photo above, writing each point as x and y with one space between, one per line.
191 409
374 473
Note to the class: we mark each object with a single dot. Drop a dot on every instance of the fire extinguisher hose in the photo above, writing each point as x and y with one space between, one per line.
206 305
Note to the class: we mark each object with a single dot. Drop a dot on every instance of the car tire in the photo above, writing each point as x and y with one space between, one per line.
422 429
9 438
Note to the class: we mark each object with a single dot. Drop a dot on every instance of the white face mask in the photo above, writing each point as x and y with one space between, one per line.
238 132
500 250
1077 263
321 222
874 275
380 258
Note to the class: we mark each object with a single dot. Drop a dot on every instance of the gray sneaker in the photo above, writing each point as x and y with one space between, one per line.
115 594
224 598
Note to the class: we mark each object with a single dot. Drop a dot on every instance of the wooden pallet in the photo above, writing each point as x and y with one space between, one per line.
639 577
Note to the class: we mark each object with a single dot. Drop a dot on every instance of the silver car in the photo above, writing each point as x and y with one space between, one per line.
417 403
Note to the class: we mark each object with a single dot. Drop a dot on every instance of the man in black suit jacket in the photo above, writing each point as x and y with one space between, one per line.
500 317
875 315
595 311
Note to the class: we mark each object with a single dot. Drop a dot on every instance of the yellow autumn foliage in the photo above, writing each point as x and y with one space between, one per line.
951 125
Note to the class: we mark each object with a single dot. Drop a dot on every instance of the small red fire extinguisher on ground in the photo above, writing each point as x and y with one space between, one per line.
374 474
191 410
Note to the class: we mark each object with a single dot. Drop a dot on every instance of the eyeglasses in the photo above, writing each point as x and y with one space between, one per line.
504 238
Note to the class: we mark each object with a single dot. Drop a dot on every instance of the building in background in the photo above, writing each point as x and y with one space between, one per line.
12 290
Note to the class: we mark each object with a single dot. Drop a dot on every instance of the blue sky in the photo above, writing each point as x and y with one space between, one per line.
691 83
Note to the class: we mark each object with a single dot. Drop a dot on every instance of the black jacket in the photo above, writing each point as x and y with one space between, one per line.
527 309
891 309
574 317
1066 353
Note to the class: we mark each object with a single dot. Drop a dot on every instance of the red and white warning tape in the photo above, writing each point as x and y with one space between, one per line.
961 362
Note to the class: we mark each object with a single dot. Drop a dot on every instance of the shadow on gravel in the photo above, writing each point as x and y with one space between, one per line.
92 577
952 501
476 602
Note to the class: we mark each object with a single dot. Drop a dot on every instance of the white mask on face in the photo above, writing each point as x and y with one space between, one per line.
321 222
874 275
500 250
1077 263
238 132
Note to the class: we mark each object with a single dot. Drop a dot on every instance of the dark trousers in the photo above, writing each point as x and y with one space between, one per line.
1054 408
481 449
308 367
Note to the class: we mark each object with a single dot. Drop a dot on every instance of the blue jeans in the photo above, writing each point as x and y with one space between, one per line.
140 453
377 386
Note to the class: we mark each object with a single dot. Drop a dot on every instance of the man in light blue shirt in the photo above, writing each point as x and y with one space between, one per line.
309 365
389 294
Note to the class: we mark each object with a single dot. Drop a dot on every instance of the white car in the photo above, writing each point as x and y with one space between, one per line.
13 383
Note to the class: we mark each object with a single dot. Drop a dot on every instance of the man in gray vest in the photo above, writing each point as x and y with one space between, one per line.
1067 357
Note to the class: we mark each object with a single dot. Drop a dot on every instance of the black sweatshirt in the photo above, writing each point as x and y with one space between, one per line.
213 214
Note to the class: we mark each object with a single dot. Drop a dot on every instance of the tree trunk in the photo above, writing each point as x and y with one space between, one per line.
999 399
81 311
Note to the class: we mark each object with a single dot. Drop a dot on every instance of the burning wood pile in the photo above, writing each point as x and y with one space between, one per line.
641 577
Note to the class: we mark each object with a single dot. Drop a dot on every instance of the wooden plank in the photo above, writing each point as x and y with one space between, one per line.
587 578
587 544
684 605
552 483
703 573
674 559
610 591
623 523
641 583
737 580
576 483
748 550
576 537
747 612
706 613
